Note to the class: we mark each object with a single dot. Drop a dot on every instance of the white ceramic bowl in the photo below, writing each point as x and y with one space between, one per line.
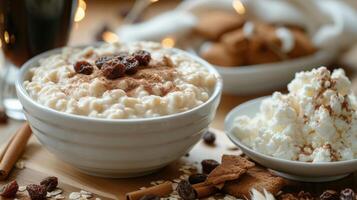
117 148
302 171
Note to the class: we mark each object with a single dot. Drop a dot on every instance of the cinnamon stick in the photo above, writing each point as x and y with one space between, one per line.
6 146
160 190
204 189
13 150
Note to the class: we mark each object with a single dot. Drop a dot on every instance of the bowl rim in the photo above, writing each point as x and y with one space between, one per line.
256 102
30 64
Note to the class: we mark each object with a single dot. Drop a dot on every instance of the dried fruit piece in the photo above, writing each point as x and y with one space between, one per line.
197 178
347 194
329 195
50 183
100 61
131 64
150 197
143 57
10 190
186 191
209 138
83 67
208 165
121 55
36 192
113 69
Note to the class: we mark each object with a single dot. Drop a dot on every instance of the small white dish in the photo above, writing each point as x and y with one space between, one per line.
295 170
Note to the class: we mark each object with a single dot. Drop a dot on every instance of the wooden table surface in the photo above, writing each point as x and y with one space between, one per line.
36 157
84 32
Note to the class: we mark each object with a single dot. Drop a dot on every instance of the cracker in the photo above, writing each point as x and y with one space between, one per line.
232 168
214 23
256 177
218 54
303 44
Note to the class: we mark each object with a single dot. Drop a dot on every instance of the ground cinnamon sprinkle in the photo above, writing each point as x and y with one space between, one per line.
153 76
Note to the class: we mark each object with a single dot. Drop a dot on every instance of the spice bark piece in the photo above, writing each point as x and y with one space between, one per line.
256 177
232 168
204 189
161 190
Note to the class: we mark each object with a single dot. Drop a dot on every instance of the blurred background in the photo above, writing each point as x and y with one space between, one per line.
256 45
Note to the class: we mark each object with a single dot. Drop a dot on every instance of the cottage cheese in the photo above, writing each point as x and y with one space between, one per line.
174 83
315 122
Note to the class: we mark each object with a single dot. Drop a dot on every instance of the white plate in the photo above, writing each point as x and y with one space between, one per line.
264 78
302 171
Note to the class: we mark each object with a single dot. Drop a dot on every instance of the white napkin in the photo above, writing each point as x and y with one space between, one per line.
331 24
175 24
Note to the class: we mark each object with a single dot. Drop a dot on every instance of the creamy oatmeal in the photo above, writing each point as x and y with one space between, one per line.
315 122
134 85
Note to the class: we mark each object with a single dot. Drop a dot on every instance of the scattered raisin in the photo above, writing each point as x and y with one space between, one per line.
113 69
305 196
100 61
131 64
347 194
83 67
208 165
150 197
36 192
197 178
10 190
329 195
50 183
209 138
142 56
186 191
122 55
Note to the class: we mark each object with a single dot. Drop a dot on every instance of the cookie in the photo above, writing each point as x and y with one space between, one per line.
256 177
235 42
213 24
232 168
303 45
217 54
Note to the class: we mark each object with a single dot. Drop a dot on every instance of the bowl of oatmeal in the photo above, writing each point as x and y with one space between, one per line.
308 134
118 110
